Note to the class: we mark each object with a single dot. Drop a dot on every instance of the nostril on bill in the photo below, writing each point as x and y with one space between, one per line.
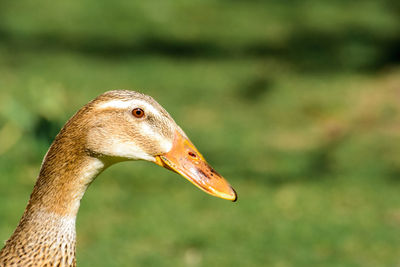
193 155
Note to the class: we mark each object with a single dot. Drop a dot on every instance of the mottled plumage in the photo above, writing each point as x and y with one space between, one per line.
100 134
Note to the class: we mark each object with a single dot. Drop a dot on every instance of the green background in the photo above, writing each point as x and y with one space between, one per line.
296 103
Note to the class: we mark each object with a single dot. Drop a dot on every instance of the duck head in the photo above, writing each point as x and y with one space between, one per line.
132 126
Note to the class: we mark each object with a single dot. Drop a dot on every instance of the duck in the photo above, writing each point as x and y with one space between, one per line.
116 126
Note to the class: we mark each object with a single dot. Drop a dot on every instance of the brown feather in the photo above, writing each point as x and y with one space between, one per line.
45 235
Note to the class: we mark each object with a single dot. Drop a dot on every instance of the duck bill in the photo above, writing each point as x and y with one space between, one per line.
186 160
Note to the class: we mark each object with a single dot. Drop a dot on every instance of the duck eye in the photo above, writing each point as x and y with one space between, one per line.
138 112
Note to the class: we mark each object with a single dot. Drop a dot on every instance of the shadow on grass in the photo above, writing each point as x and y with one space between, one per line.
355 48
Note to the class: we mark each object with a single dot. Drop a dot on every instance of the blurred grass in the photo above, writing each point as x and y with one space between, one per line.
296 103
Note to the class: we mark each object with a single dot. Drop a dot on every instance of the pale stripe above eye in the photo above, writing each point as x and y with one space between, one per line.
129 104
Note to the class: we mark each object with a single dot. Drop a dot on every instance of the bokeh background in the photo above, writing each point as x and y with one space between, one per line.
296 103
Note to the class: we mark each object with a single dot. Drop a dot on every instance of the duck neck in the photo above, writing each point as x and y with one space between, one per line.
48 223
62 182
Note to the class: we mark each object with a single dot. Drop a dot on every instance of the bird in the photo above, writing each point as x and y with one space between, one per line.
116 126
